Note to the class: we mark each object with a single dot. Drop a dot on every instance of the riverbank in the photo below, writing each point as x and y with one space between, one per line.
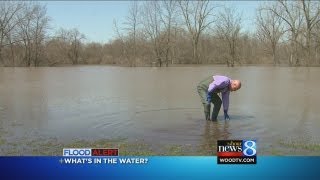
52 147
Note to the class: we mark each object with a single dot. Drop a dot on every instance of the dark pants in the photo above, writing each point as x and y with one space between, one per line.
216 100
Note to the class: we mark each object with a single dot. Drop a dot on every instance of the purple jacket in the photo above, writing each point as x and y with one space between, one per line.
221 84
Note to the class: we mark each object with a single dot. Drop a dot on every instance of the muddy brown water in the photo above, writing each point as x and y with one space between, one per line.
159 106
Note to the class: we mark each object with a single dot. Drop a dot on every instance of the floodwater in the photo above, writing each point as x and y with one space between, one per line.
159 106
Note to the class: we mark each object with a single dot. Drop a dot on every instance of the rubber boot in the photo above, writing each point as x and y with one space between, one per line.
214 117
215 112
207 111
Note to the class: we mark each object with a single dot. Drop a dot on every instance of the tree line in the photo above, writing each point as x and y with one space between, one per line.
166 33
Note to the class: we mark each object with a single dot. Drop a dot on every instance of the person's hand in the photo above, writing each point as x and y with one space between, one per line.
226 116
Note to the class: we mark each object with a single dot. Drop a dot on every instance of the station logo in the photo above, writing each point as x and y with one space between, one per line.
237 152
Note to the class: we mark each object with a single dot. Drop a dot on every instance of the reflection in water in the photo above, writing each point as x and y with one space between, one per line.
213 131
157 105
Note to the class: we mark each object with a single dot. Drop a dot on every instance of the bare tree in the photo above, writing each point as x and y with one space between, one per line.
8 21
291 15
169 12
76 37
311 12
71 41
56 51
40 26
129 41
198 15
32 24
132 23
269 30
25 32
123 43
152 26
228 28
61 42
93 53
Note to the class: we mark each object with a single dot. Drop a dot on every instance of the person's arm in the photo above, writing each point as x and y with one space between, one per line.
225 101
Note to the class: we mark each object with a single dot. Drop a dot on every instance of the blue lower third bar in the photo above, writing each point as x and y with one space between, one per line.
156 167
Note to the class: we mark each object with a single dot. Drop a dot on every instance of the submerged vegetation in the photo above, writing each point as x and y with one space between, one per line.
301 145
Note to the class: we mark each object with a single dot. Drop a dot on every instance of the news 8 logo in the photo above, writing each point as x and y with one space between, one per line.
249 148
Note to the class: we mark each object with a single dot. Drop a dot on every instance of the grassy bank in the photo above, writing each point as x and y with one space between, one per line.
52 147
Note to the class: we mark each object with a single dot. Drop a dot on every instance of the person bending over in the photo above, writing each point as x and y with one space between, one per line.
209 89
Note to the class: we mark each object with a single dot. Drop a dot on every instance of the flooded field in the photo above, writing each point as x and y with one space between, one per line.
155 110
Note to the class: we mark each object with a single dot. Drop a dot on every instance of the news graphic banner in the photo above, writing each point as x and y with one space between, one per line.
235 158
156 167
97 156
